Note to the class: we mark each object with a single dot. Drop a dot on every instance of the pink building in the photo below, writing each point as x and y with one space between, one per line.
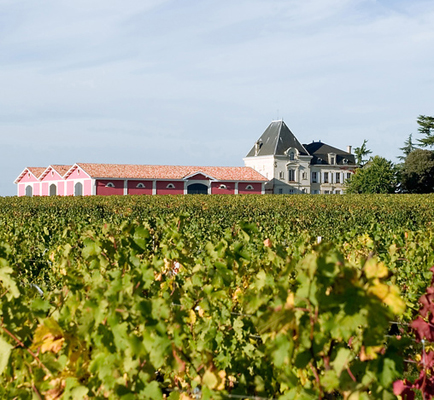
119 179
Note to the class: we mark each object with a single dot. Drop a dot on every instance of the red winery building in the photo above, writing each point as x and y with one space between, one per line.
120 179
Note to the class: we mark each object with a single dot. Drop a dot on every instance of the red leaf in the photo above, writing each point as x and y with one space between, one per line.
402 388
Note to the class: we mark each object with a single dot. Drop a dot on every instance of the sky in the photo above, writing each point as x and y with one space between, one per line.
184 82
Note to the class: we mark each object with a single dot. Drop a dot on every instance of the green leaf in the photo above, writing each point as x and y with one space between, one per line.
5 352
153 391
341 360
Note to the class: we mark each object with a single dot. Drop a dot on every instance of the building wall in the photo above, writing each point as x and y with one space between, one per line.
163 189
242 188
103 190
230 188
134 190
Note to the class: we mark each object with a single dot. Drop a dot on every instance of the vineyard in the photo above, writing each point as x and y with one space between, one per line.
223 297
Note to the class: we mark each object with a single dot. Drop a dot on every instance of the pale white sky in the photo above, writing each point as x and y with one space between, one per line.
197 82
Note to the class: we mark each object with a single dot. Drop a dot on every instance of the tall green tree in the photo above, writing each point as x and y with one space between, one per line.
426 127
376 176
408 147
362 152
417 174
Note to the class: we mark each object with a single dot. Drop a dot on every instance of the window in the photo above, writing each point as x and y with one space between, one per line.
291 191
249 187
326 191
281 175
291 175
280 191
53 190
304 175
29 191
140 186
291 156
314 177
110 185
332 160
52 173
222 186
338 177
326 177
78 189
337 191
170 186
303 191
78 171
348 175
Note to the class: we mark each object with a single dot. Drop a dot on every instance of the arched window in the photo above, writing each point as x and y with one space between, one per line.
170 186
140 186
53 190
223 186
110 185
78 189
249 187
291 156
29 191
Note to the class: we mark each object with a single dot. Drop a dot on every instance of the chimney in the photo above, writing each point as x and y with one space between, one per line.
349 149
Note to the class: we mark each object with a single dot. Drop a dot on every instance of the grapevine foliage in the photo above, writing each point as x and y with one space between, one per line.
132 310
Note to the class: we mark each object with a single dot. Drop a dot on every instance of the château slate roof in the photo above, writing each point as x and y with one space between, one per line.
276 139
320 152
128 171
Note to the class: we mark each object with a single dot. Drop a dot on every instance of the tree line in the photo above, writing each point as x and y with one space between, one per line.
413 174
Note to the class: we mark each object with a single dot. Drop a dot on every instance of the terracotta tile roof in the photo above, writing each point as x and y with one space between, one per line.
37 171
125 171
61 169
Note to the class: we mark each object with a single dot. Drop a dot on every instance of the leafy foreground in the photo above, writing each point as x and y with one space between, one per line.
130 311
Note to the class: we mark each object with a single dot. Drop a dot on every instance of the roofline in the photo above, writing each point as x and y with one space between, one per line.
23 172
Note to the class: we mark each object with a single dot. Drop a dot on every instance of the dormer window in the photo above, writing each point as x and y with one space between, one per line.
140 186
222 187
170 186
249 187
319 160
110 185
258 146
291 156
332 160
345 161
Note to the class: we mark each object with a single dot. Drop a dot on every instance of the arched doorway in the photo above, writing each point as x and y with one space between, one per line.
29 191
53 190
197 188
78 189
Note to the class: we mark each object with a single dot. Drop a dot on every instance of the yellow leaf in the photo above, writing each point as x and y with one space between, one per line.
48 336
209 379
222 376
374 269
289 301
389 294
192 317
369 353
